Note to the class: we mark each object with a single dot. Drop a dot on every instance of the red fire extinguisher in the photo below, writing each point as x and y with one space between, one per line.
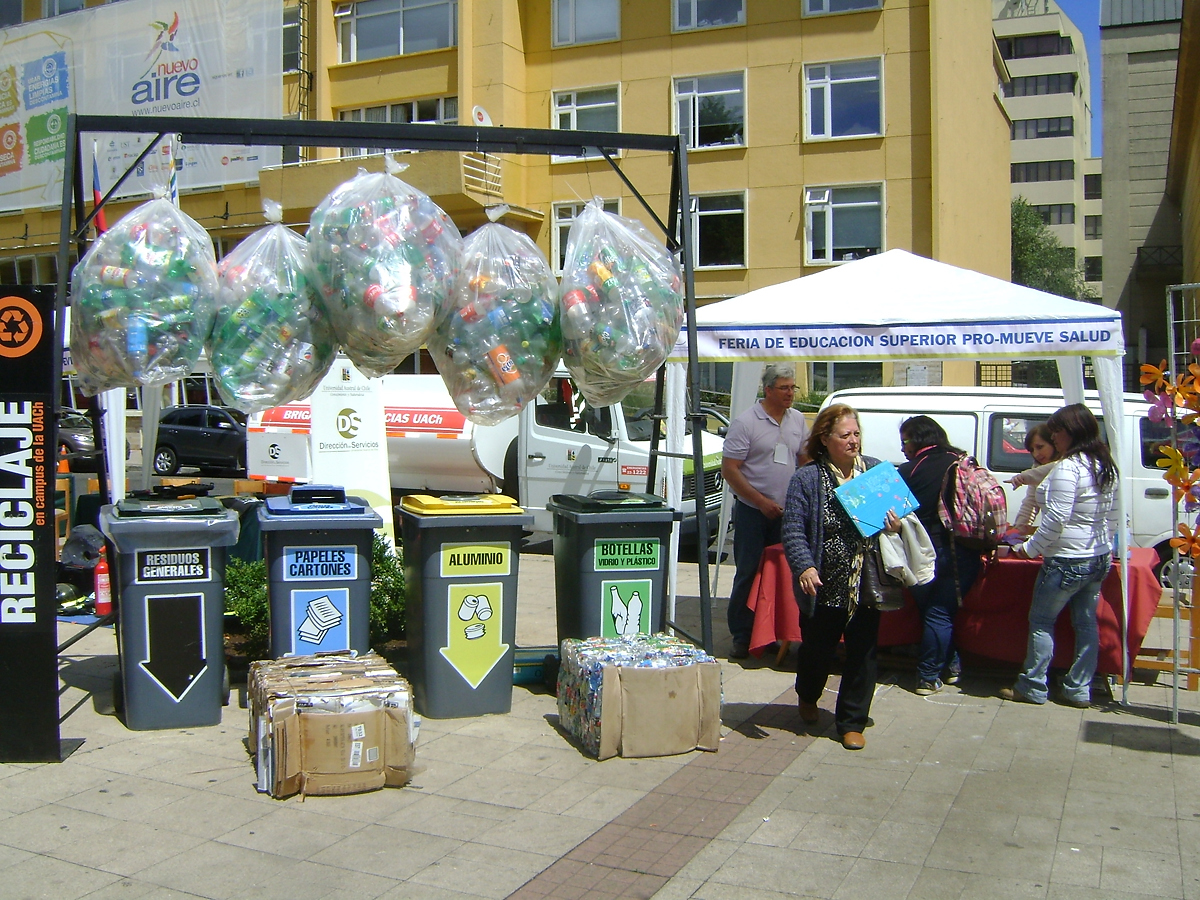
103 585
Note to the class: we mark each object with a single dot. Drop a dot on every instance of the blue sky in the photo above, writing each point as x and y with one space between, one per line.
1086 16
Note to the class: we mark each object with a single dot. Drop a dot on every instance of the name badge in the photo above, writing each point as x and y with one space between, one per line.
783 455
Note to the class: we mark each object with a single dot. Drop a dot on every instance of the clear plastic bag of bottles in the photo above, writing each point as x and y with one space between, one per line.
384 257
498 343
143 299
271 342
622 304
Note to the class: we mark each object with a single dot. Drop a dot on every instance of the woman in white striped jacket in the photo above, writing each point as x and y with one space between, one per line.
1079 518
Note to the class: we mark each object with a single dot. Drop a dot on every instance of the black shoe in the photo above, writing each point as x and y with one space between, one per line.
739 650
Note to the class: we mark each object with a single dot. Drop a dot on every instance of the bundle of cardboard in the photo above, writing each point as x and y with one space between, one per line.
333 723
644 695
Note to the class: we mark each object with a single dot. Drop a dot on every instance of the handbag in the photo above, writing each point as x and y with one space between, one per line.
876 588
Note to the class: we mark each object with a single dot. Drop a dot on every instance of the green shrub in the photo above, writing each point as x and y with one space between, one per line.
246 597
387 591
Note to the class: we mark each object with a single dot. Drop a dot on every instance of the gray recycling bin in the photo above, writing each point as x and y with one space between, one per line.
610 563
318 553
170 615
461 556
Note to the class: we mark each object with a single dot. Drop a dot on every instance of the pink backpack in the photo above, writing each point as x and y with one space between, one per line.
977 515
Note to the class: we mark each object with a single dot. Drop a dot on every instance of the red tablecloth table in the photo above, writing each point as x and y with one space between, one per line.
993 620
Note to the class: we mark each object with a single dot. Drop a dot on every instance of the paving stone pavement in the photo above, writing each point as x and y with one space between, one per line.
957 795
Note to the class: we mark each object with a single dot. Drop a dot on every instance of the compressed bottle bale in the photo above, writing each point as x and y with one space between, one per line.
272 341
384 257
498 343
143 300
622 304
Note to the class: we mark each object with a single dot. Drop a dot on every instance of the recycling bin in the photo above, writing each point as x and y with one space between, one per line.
610 563
170 562
461 556
318 552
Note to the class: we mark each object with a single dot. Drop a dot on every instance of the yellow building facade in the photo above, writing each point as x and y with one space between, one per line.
820 131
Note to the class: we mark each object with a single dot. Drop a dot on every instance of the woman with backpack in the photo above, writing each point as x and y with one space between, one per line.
1079 518
930 456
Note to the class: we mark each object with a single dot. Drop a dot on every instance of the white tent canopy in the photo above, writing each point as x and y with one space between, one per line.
898 305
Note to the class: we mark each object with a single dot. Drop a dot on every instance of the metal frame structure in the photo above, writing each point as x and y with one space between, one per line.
457 138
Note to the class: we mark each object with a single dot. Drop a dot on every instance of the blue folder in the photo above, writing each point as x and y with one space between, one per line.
868 497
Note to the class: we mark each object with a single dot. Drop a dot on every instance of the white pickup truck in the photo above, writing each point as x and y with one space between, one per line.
556 445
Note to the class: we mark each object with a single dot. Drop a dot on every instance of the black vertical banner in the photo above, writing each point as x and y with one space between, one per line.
28 625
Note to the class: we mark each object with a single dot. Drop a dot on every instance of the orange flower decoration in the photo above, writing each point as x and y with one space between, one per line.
1189 544
1183 486
1156 376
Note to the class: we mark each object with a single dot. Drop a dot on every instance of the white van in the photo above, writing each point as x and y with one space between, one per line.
991 424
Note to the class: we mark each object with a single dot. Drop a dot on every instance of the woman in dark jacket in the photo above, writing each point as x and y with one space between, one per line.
929 453
825 551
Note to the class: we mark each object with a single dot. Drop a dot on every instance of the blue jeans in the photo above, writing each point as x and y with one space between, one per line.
752 533
1062 581
938 604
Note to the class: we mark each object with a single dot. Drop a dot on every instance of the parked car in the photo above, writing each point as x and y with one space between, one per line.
210 437
76 444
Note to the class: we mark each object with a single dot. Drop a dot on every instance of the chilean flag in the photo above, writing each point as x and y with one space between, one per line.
97 196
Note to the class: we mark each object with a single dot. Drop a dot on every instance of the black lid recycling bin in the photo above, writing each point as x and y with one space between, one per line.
461 556
318 552
610 563
170 620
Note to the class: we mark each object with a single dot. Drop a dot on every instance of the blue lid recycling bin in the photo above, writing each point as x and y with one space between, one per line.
318 552
170 563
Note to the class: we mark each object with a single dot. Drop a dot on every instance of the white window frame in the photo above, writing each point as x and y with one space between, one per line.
557 6
821 8
558 239
692 9
52 8
821 197
697 216
825 85
696 95
346 27
572 110
389 110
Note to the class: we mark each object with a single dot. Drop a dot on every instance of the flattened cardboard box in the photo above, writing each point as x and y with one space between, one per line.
332 724
659 711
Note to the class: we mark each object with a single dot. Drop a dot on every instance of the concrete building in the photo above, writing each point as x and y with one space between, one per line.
820 130
1139 47
1183 167
1048 100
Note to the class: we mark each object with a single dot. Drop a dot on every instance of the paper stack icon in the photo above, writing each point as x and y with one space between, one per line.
322 615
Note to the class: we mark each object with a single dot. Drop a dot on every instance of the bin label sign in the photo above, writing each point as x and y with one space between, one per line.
622 554
176 656
337 563
492 558
321 619
473 616
625 608
156 566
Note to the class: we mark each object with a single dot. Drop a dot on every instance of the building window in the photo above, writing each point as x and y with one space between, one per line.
564 216
291 38
711 110
1092 187
843 223
1044 170
592 110
1057 214
371 29
1031 85
60 7
824 7
586 21
844 99
1093 227
1029 129
1093 268
1027 46
430 111
690 14
11 12
719 230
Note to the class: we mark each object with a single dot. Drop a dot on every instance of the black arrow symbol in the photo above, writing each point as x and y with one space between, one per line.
175 642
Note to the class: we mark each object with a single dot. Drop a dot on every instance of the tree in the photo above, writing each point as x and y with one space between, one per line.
1039 260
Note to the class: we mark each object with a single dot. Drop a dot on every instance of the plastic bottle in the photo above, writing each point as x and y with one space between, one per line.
103 585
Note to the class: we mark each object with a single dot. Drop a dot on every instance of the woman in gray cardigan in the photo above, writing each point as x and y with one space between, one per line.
825 552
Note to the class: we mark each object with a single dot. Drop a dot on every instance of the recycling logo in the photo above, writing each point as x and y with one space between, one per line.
20 327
